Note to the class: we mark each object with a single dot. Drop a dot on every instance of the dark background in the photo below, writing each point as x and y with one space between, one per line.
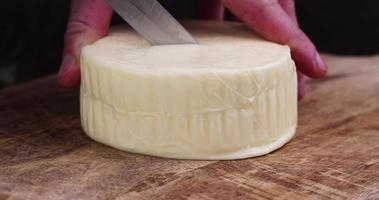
31 32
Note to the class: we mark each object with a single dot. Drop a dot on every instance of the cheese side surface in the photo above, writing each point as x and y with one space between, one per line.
232 96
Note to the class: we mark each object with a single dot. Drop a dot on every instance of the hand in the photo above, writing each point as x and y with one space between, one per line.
276 21
273 19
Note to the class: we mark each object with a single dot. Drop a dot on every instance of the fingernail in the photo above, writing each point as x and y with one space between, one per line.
320 63
68 63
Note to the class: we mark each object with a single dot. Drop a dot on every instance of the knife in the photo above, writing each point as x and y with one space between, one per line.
152 21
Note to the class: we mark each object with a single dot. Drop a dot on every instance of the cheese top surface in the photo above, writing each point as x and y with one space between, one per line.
218 48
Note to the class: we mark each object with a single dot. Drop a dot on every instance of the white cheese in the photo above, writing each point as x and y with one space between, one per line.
232 96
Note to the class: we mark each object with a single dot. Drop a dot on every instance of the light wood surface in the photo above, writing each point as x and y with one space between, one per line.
44 153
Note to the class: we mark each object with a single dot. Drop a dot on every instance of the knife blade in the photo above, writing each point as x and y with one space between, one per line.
151 20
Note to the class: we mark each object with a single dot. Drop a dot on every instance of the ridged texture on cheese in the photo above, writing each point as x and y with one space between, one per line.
232 96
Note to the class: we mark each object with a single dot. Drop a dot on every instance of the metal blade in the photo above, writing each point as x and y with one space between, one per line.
152 21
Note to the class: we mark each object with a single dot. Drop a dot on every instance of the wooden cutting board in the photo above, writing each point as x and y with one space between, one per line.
44 153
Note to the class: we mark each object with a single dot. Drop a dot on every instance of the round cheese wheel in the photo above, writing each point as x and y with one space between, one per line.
231 96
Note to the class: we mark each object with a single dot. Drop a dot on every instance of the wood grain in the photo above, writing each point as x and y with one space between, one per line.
44 153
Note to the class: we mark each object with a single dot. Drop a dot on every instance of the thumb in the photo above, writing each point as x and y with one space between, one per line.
268 18
89 21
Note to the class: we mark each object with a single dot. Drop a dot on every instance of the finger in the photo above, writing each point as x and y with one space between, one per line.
289 7
300 85
211 10
268 19
89 20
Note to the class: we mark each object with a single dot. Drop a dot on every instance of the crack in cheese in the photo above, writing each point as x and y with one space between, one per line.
232 96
